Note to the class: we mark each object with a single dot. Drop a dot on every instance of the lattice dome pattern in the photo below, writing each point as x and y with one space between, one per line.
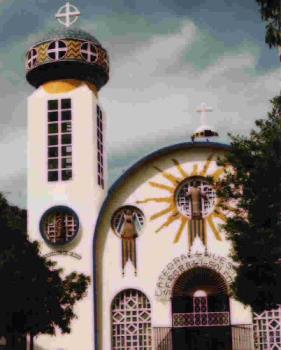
131 321
184 203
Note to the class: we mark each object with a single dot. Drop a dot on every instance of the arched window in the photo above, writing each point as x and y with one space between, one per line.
57 50
131 321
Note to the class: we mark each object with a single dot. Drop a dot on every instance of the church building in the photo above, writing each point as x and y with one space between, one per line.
152 244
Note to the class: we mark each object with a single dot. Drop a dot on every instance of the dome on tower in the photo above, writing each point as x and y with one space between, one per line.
67 53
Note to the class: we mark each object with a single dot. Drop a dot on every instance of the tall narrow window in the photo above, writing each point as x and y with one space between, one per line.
131 321
100 148
59 140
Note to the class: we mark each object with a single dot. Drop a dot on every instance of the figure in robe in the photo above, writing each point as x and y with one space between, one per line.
128 235
196 224
60 229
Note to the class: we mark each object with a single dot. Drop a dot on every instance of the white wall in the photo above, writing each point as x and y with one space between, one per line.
154 250
82 194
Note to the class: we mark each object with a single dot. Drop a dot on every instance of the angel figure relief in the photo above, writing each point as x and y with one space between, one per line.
127 223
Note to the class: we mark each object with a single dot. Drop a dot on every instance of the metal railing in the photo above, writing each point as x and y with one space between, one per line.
241 337
206 319
162 338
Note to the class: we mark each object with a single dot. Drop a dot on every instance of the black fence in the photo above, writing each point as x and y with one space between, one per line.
235 337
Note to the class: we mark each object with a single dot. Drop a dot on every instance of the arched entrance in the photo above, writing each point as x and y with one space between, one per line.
200 309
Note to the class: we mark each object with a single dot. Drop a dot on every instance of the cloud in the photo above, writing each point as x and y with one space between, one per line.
154 92
152 96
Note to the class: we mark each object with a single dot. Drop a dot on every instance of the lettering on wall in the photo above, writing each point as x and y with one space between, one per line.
185 262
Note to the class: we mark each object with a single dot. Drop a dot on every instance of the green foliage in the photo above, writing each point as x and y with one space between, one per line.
271 13
35 298
254 188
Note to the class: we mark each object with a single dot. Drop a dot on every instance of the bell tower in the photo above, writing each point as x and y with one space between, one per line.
67 165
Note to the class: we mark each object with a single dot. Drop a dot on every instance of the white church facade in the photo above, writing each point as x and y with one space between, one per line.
152 243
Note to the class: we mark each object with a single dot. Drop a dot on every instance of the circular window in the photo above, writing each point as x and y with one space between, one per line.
31 58
195 198
59 225
127 221
57 50
89 52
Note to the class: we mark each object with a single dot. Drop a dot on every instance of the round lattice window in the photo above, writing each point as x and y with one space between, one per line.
127 221
196 197
31 59
59 225
89 52
57 50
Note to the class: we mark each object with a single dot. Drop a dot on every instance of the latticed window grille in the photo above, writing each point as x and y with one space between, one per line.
184 203
100 147
131 321
59 140
68 225
267 330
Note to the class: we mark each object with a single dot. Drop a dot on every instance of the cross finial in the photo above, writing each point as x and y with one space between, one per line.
67 14
203 109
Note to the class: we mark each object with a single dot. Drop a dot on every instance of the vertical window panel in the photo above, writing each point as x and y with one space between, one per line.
100 167
59 140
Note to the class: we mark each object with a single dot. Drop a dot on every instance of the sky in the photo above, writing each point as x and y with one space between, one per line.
166 57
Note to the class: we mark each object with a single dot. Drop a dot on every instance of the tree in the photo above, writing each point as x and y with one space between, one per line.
35 298
271 13
253 185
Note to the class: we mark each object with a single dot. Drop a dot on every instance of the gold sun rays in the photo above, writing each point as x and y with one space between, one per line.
171 211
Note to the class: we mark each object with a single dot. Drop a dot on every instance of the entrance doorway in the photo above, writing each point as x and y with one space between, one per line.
200 308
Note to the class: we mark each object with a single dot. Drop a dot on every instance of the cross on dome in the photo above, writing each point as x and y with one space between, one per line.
67 14
204 131
203 109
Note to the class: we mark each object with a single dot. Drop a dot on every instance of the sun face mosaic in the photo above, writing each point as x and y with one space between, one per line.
191 200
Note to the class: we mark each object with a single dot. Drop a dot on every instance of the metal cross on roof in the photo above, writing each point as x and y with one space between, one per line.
203 109
67 14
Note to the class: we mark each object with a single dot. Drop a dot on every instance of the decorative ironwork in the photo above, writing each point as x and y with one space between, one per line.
267 330
131 321
204 319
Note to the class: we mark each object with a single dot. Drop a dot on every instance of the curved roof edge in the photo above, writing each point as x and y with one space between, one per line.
159 152
118 182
